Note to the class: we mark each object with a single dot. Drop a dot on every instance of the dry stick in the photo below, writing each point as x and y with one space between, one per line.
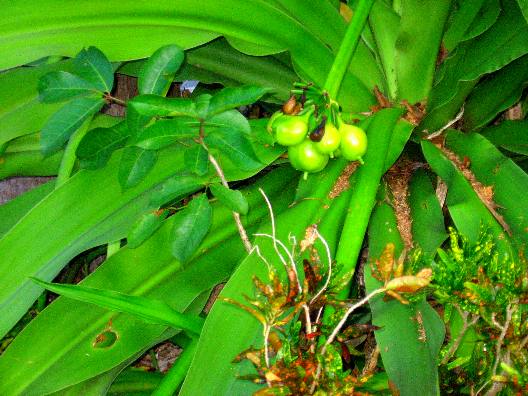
309 329
347 314
241 230
465 327
497 387
266 333
504 330
338 328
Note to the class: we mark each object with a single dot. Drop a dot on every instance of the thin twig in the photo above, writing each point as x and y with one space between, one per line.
448 125
266 332
465 327
290 259
236 216
318 317
309 329
347 314
257 250
338 328
372 362
500 341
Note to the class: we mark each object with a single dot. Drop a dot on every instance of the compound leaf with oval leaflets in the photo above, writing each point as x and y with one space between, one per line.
67 120
196 160
93 66
163 133
145 226
98 144
135 164
190 227
59 86
158 72
232 97
233 199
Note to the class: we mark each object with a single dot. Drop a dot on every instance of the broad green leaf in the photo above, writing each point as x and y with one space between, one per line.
21 111
175 187
158 72
399 137
227 134
507 39
190 227
410 335
228 122
67 356
485 18
471 18
417 46
135 165
67 120
236 147
145 226
95 386
218 62
467 211
492 168
196 160
465 12
133 381
523 5
158 106
98 144
142 28
509 135
328 25
103 213
428 227
152 311
385 24
11 212
233 199
163 133
496 93
23 156
93 66
230 98
60 85
363 198
28 162
228 65
212 371
202 104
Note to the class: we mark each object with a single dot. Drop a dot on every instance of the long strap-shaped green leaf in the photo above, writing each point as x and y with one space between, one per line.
59 342
102 214
410 335
152 311
253 27
364 196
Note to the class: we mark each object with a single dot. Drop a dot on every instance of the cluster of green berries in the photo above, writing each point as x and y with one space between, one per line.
309 149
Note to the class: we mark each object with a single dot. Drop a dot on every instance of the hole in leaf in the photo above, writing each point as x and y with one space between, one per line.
105 340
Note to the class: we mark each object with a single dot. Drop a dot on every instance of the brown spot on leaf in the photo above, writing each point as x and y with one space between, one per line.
398 178
105 339
343 181
485 193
